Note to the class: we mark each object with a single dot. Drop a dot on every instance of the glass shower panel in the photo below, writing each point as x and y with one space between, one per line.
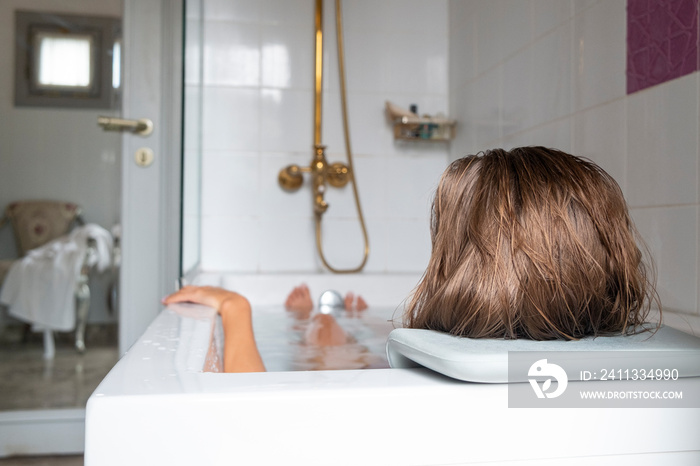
192 133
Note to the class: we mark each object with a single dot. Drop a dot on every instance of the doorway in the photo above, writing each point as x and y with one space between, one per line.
113 189
54 151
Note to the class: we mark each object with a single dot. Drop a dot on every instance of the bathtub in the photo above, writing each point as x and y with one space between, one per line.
162 405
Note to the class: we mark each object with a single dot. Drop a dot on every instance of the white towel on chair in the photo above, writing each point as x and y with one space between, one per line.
40 288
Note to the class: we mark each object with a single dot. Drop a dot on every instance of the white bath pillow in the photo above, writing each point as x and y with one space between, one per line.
486 360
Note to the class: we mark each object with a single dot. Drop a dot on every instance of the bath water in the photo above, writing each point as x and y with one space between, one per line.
281 340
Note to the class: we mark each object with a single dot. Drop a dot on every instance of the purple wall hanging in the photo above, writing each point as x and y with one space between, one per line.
662 41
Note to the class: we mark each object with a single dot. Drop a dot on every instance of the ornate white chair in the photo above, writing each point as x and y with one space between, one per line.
35 223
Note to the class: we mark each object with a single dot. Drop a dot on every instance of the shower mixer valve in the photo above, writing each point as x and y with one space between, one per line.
336 174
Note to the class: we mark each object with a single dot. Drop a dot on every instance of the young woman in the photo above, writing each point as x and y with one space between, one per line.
528 243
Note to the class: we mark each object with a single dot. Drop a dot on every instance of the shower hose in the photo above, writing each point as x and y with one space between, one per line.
346 131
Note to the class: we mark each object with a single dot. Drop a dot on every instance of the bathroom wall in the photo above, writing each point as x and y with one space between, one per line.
258 117
56 153
553 73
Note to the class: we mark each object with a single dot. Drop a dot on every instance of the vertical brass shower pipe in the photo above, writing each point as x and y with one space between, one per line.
318 163
318 72
337 174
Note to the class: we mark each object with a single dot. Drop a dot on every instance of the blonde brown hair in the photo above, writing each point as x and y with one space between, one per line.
531 243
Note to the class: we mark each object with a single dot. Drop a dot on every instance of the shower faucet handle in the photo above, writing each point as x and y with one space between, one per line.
290 178
338 175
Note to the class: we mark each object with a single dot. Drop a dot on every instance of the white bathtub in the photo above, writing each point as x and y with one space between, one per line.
158 407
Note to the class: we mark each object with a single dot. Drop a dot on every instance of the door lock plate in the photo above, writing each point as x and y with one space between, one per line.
144 157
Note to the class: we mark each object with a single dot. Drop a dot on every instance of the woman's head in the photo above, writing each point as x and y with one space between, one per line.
530 243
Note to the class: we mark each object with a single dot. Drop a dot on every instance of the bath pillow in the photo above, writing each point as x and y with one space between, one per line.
486 360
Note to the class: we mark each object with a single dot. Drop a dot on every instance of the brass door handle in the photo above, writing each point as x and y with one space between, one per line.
142 127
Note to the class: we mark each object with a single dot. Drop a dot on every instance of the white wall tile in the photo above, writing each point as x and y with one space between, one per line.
368 125
287 57
517 25
230 244
409 249
549 14
671 234
366 62
462 43
517 92
581 5
284 12
411 183
366 15
237 10
332 135
331 80
513 141
601 53
551 87
231 119
416 16
231 53
662 150
600 135
286 120
485 107
287 245
556 134
464 142
231 186
417 63
489 29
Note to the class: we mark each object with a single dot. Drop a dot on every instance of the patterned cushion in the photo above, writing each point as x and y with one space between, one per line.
38 222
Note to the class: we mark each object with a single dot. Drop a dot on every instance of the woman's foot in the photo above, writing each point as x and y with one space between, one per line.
360 304
353 303
348 301
299 300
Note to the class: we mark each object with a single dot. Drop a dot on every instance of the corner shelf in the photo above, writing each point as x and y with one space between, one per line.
411 128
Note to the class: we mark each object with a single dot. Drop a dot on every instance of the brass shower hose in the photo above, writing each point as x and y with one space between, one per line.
346 130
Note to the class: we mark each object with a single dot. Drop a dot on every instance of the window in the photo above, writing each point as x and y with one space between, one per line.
66 60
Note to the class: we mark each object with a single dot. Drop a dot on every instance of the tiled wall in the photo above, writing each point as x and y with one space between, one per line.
553 72
257 118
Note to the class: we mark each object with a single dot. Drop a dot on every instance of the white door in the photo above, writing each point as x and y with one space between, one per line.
151 193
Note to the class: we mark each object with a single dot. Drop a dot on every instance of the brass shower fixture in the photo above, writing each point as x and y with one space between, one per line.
337 174
322 173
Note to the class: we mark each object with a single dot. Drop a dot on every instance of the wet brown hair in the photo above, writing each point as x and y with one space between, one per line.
531 243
